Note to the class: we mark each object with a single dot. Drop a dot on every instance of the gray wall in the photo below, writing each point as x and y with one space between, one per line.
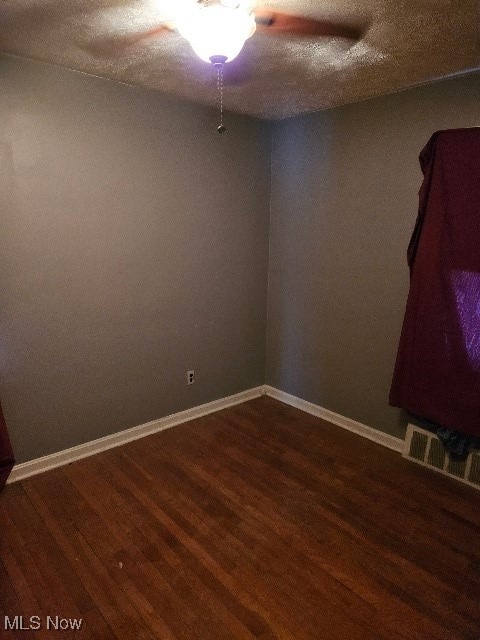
134 246
344 203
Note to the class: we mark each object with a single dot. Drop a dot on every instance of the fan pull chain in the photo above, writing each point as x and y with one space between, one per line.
221 128
218 62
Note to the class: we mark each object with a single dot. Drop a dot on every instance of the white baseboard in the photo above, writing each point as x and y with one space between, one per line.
39 465
346 423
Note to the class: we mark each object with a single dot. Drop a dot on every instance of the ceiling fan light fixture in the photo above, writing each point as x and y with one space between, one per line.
216 30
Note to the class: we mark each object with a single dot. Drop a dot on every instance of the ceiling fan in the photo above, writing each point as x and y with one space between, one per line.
218 29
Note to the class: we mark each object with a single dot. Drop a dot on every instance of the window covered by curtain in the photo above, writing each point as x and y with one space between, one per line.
437 372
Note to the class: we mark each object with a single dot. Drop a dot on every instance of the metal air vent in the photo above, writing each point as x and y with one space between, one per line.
425 448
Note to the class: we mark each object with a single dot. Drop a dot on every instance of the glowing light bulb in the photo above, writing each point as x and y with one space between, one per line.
216 30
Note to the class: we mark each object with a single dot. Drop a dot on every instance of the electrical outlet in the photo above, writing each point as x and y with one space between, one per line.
190 376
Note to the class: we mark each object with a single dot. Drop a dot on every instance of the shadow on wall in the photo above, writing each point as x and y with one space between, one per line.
298 228
338 274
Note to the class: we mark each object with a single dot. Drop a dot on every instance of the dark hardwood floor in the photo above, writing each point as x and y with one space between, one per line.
259 521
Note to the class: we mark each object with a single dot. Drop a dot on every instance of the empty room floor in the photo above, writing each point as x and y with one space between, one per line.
259 521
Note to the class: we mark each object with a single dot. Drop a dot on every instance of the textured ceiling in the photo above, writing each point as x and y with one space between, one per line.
406 42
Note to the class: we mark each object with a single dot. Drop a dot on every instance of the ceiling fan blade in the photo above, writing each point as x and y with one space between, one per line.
277 22
120 44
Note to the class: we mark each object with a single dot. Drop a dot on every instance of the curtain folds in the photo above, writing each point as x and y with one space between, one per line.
437 372
6 454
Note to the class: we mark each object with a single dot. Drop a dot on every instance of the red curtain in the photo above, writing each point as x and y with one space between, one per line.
6 454
437 373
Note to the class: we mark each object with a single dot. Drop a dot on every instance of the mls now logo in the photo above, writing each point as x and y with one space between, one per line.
52 623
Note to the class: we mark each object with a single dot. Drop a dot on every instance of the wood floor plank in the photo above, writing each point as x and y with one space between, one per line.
164 593
259 521
271 543
347 584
